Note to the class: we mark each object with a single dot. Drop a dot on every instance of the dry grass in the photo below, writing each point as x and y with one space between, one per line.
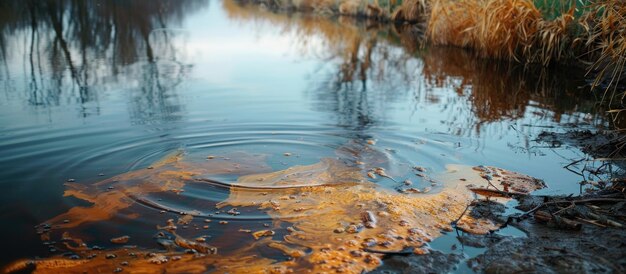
593 35
518 30
511 29
411 11
605 41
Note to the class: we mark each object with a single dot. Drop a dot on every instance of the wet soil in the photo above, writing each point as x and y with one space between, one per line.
599 144
546 249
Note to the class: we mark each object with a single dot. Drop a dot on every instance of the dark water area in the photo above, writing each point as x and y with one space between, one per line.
93 89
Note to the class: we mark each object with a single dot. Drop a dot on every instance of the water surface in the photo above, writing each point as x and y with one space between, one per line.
93 89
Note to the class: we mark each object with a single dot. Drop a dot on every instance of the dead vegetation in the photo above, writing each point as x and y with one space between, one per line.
605 44
602 208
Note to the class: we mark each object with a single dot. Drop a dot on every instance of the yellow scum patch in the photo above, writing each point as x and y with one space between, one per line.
134 260
168 174
340 221
348 222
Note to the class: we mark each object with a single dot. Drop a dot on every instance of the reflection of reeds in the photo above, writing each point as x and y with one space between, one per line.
350 39
541 31
588 33
500 91
361 54
367 52
528 31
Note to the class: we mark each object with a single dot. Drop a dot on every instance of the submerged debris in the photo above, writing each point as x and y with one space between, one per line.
233 211
120 240
195 245
185 219
263 233
509 181
371 175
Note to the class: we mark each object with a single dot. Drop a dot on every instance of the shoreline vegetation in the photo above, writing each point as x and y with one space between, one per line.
590 34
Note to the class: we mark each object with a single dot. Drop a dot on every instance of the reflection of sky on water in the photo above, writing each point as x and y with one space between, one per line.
197 65
129 85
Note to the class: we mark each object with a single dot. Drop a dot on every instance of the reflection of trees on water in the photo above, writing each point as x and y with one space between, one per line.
75 50
359 63
502 91
371 66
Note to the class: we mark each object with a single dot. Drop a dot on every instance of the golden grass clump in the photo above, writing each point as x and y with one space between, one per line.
504 29
505 26
553 40
451 23
604 36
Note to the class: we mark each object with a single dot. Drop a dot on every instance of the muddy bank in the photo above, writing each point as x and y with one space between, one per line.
553 248
547 247
598 144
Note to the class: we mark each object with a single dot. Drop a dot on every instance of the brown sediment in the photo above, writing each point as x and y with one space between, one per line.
325 173
194 245
501 185
509 181
120 240
135 260
480 226
111 196
289 251
339 221
335 220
